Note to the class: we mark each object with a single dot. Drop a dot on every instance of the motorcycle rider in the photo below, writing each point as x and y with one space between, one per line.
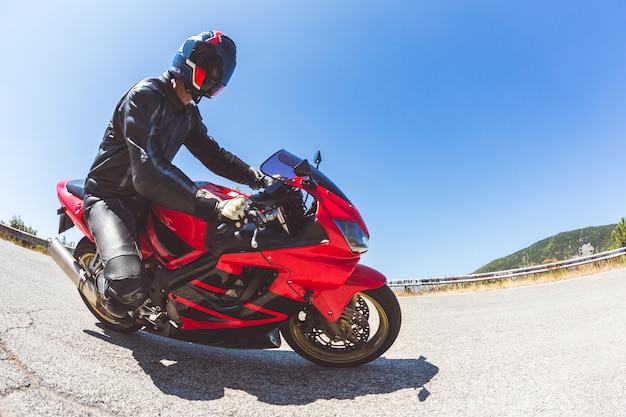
133 166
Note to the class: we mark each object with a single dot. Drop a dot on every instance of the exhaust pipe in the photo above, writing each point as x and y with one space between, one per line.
68 264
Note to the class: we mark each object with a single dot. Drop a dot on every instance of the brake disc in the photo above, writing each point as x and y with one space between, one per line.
353 324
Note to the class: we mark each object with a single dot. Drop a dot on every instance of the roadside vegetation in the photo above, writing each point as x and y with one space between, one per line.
606 237
532 279
562 246
16 222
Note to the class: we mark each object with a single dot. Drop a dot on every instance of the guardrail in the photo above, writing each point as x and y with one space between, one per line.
27 237
510 273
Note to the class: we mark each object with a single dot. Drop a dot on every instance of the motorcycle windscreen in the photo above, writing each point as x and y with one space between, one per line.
282 164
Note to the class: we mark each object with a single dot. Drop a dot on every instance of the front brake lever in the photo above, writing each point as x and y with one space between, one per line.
258 218
253 243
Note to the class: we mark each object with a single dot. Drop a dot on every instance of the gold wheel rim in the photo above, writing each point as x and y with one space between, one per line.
343 355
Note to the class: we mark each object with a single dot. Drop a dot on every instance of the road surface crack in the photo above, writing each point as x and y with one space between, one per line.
30 381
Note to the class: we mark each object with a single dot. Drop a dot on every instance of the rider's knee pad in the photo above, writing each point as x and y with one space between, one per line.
122 267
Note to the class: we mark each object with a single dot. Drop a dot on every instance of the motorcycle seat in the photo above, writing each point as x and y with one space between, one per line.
76 187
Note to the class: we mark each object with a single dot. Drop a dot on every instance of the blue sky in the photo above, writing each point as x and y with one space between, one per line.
463 130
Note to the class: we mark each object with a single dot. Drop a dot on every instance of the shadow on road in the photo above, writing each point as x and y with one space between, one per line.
278 377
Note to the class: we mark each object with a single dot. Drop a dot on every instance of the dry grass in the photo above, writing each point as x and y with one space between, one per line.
23 243
533 279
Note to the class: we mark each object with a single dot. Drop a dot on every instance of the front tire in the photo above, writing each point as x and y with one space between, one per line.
88 258
369 325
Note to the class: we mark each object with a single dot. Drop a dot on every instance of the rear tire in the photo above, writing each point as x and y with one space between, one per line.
87 257
369 326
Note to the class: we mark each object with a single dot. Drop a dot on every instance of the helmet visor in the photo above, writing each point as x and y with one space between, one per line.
207 84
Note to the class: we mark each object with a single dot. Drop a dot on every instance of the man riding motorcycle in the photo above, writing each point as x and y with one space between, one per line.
133 166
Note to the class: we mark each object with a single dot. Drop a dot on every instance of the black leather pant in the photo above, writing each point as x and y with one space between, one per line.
115 224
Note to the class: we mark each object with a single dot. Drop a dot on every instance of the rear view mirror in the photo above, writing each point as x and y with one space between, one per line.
318 159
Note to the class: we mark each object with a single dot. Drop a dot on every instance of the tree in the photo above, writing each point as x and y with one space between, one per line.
67 244
619 233
17 223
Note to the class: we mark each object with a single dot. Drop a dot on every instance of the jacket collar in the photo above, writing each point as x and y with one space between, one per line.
171 95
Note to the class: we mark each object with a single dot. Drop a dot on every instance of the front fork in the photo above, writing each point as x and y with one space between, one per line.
341 330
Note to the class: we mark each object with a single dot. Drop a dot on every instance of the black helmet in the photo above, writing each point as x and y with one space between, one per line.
205 62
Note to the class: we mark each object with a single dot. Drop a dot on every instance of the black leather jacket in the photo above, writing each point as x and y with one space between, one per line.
147 129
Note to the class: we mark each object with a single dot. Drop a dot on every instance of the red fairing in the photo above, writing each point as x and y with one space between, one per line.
329 272
334 261
191 230
73 207
332 302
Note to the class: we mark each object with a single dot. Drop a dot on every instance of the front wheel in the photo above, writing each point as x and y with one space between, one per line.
366 329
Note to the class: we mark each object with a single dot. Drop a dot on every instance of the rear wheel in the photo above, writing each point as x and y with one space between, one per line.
88 258
367 328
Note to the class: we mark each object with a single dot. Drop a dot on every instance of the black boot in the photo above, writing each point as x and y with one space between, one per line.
114 310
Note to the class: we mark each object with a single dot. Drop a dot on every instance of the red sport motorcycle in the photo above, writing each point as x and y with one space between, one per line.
290 267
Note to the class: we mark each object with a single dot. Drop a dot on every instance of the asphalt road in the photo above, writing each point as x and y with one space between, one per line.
549 350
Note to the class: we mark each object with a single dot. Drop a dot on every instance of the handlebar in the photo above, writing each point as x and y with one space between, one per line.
259 211
257 217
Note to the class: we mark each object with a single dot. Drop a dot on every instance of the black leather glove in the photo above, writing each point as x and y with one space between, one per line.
260 179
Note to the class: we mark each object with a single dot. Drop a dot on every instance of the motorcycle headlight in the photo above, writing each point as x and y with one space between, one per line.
355 236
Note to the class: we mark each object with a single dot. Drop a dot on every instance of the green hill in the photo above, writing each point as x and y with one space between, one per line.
562 246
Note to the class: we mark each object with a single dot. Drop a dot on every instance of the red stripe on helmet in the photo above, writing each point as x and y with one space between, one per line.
216 38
